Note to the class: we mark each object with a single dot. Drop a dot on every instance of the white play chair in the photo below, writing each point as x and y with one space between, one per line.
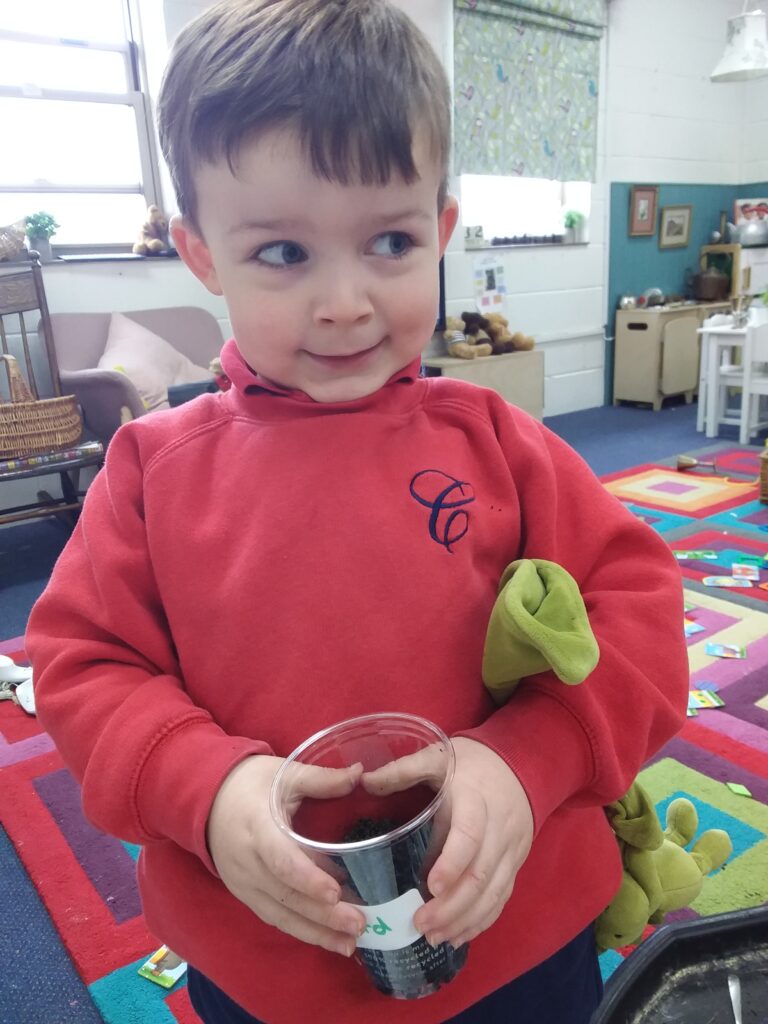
720 342
722 370
752 378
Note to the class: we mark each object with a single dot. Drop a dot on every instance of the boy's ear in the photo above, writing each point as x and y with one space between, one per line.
195 253
446 221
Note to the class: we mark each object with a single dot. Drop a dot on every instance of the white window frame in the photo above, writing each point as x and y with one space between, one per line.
136 97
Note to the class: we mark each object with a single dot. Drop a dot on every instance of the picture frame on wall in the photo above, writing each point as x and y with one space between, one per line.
643 200
675 227
745 210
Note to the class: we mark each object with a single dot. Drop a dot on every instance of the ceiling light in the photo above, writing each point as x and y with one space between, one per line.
746 49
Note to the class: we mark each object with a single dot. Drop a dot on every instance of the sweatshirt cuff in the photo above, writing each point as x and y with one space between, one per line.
544 744
179 779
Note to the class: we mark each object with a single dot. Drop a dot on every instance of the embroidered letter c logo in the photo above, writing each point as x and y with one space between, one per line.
445 497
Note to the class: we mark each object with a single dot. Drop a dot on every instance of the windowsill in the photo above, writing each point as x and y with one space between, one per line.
108 257
525 245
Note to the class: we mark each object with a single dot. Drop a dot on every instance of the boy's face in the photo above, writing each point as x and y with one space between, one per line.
331 289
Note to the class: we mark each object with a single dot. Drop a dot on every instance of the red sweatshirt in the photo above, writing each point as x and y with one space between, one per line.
254 566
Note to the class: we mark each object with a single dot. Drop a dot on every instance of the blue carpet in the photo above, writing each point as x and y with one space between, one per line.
612 438
36 970
27 554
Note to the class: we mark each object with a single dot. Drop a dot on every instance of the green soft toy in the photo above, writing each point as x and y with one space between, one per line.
539 622
660 875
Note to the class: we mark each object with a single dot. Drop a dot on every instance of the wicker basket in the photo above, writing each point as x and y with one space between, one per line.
29 426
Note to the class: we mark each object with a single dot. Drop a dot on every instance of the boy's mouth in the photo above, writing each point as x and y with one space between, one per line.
344 361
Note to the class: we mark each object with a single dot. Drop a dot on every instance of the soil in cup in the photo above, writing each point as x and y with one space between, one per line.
332 820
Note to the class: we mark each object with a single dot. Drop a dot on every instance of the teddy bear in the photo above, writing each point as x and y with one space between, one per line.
462 345
539 621
12 240
153 237
223 383
502 339
475 326
660 875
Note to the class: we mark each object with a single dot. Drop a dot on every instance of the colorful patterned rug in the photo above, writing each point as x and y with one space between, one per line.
696 511
86 880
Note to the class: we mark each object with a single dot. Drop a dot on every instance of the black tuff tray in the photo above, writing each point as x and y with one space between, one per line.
679 975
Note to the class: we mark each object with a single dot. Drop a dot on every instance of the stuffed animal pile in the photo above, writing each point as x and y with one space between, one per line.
153 237
473 335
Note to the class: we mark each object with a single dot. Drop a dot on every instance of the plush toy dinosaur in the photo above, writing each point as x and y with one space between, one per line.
660 875
539 622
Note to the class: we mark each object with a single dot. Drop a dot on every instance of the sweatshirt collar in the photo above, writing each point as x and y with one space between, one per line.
248 382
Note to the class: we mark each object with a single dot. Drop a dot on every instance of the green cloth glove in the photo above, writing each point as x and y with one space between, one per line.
538 622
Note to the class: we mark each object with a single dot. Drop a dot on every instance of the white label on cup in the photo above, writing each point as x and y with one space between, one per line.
390 925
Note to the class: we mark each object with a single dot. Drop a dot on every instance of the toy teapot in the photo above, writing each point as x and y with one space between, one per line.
710 285
749 232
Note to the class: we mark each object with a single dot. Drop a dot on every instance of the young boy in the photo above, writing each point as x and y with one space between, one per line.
326 540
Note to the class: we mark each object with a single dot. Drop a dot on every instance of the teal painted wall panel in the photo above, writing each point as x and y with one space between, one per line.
638 263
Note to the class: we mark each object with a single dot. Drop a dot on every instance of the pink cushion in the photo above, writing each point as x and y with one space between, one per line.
148 361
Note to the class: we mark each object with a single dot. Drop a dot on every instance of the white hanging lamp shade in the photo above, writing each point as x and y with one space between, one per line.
746 49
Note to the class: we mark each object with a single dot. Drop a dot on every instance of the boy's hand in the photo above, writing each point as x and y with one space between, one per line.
490 834
268 871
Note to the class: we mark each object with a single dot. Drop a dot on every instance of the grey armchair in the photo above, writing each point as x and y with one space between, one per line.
80 338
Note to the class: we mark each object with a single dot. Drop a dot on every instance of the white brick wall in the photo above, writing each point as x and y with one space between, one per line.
666 122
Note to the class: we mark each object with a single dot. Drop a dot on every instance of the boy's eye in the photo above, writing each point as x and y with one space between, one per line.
393 244
281 254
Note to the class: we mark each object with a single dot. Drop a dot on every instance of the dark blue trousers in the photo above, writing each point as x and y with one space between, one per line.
566 989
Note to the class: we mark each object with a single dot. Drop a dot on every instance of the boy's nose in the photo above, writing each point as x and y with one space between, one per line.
343 303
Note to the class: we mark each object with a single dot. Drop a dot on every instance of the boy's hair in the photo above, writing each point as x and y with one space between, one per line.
354 78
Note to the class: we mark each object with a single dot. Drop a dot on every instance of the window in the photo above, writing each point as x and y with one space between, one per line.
526 76
78 141
518 209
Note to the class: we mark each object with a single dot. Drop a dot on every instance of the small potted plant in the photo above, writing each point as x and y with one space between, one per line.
40 227
574 226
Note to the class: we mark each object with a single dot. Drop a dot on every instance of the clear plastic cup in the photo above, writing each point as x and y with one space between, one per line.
381 839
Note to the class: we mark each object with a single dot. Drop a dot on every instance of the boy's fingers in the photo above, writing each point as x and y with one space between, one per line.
284 859
470 907
314 781
343 917
294 870
465 837
301 927
425 766
308 780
